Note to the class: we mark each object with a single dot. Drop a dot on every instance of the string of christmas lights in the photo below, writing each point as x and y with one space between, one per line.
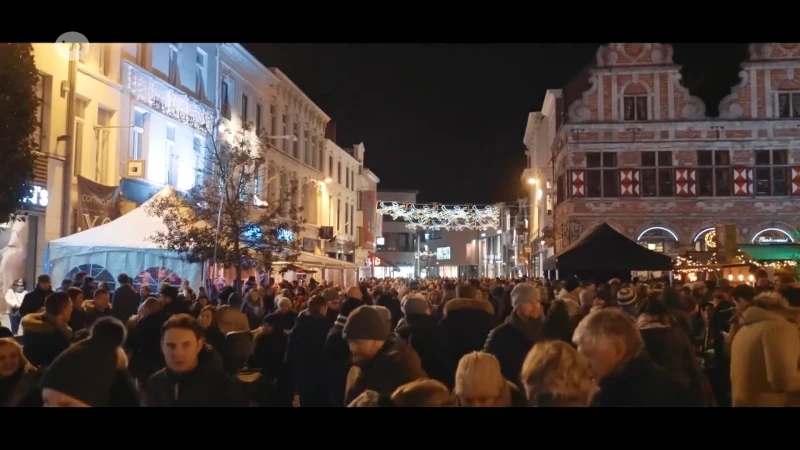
166 100
441 217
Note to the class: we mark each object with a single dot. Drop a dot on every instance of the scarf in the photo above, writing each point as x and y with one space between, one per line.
530 328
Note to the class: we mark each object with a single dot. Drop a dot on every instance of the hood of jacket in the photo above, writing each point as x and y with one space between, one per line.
468 303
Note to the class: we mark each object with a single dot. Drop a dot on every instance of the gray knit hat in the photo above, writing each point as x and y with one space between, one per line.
366 323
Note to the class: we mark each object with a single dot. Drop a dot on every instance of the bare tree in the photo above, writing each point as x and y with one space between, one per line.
223 219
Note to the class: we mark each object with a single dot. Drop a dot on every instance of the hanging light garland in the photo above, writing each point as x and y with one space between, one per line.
441 217
687 265
151 91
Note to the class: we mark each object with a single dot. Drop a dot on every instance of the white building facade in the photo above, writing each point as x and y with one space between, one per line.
396 248
167 115
250 92
538 176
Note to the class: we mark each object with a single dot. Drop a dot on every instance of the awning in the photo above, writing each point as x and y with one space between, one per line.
384 262
310 260
775 252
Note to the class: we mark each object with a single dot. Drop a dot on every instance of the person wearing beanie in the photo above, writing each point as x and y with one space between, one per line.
92 372
380 364
188 379
627 301
511 341
336 354
480 383
419 329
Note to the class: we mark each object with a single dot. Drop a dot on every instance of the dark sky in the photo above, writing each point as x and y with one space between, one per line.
449 119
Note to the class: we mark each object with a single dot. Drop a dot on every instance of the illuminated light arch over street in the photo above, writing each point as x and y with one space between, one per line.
442 217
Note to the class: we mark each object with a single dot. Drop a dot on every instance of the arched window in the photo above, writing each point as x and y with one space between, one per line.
658 239
705 240
96 271
154 276
772 236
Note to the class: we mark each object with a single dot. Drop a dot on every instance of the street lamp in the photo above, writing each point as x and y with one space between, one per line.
531 180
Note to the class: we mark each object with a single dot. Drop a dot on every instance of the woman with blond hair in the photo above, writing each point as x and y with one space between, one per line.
764 354
18 378
555 374
480 383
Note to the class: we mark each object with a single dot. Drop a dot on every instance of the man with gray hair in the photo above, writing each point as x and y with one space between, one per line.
511 341
611 342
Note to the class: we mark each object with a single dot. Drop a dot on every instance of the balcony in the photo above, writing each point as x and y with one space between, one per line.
166 99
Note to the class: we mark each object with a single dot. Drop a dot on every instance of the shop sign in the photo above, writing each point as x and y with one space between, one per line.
772 240
37 198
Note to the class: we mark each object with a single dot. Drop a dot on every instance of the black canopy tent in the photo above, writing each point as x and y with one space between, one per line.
604 252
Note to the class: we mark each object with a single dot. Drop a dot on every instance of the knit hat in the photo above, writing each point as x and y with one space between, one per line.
698 285
626 296
347 308
86 370
478 375
415 305
614 281
366 323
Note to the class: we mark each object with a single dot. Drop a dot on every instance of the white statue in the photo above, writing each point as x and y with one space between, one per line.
14 255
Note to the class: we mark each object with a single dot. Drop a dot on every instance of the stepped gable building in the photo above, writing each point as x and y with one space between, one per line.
635 149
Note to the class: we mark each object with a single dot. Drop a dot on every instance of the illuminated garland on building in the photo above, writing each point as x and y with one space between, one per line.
440 217
688 265
153 92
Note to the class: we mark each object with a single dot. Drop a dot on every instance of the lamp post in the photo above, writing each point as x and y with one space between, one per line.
222 197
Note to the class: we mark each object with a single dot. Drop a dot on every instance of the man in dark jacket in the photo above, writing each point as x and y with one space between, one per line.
511 341
611 342
189 380
380 364
420 331
47 333
467 322
304 353
336 354
34 300
173 304
125 302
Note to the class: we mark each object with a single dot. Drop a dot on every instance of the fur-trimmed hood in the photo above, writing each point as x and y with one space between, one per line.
42 323
468 303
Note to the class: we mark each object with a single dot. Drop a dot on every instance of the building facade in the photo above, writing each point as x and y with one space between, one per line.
504 252
396 248
635 149
94 146
167 116
450 254
143 118
368 221
538 177
341 174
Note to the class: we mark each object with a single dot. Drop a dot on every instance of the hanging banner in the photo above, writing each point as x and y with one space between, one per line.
97 203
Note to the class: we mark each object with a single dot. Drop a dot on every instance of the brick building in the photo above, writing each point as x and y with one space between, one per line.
630 145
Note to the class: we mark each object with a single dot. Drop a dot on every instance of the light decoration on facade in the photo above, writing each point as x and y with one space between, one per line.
689 266
441 217
166 100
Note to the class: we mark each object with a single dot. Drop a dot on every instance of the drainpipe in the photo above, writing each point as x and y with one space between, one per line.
69 153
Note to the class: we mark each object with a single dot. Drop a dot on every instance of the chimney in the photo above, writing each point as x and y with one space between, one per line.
330 131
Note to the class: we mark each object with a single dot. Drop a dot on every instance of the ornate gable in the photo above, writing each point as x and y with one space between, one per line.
771 69
774 51
634 54
635 82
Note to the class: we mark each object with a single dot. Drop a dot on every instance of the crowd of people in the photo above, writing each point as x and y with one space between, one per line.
405 343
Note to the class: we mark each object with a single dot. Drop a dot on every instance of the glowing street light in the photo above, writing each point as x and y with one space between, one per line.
531 180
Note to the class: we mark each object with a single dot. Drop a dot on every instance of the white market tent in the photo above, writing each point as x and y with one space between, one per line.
123 245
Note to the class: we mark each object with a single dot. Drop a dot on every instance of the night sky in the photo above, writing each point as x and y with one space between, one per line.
449 119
